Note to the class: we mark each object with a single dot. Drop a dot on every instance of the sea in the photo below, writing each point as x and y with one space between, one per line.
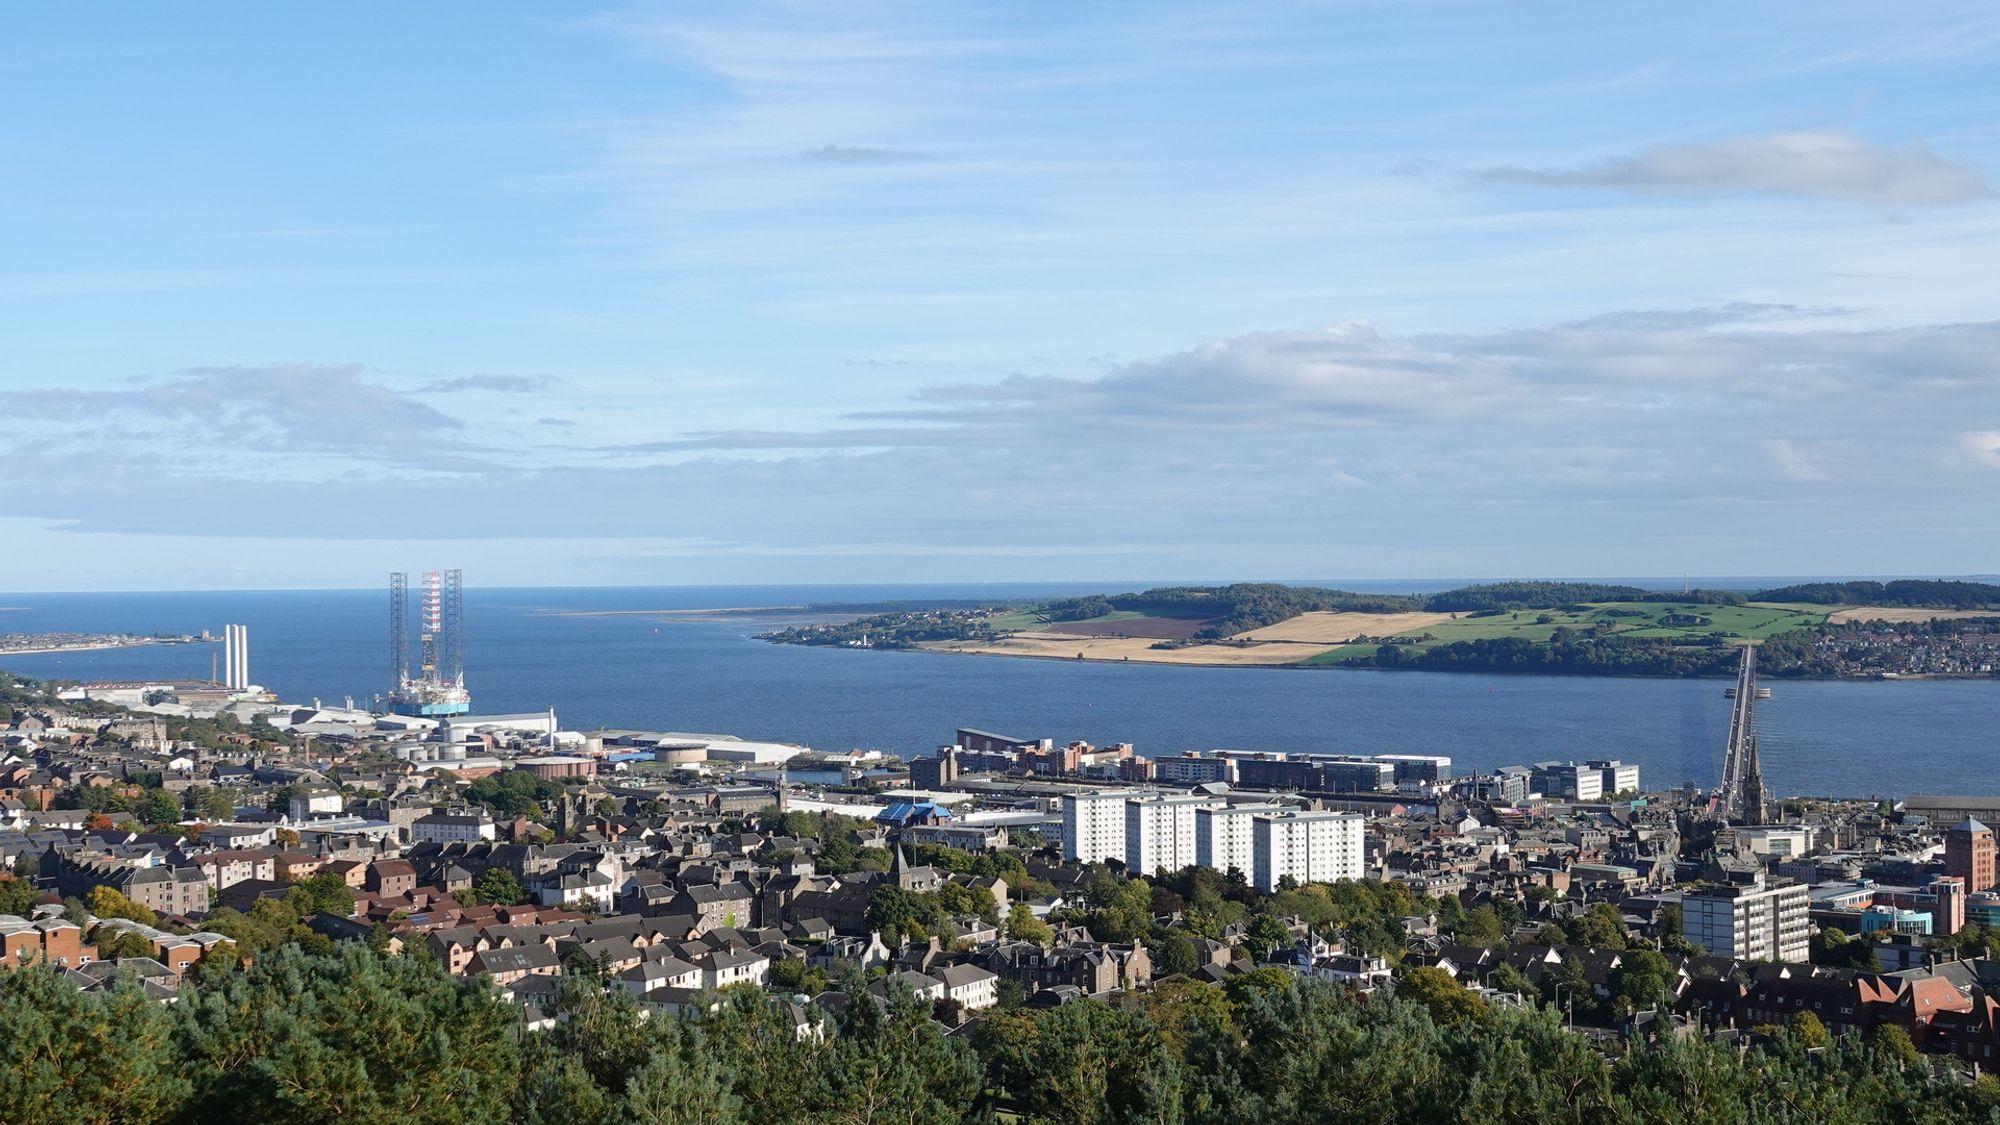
643 658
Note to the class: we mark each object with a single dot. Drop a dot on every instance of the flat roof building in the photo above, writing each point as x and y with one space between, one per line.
1749 921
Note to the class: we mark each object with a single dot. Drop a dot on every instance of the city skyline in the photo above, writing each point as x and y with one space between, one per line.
886 294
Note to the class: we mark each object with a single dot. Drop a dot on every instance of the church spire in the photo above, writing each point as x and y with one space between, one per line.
1753 786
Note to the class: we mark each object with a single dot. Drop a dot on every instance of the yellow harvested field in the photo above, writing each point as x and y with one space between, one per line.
1904 613
1135 650
1340 628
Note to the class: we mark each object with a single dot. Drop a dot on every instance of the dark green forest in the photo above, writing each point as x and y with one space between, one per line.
354 1036
1913 592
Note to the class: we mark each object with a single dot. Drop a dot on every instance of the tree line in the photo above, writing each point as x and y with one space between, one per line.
352 1035
1912 592
1575 652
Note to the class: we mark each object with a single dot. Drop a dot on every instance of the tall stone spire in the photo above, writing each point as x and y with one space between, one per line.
1753 786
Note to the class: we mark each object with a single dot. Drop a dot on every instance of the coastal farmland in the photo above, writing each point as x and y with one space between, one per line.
1903 614
1541 626
1340 628
1667 620
1136 650
1320 638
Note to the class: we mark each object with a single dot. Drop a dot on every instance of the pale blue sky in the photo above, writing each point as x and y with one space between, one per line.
857 292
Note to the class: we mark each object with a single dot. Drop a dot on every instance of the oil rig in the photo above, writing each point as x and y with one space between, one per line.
438 688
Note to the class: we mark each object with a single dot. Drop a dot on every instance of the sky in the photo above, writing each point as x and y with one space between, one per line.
858 292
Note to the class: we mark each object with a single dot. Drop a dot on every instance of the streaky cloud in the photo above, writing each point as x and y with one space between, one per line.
1822 164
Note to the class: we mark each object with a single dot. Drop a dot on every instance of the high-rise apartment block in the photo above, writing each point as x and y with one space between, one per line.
1160 833
1306 848
1225 837
1094 826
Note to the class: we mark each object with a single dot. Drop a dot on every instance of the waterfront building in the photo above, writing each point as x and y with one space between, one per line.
1194 769
1317 847
1952 810
986 742
1615 776
1355 775
1591 781
1275 771
1418 769
1749 919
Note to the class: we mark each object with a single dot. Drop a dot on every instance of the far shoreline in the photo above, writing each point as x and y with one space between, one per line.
141 642
1771 681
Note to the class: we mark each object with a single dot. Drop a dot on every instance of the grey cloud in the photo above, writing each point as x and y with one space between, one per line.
500 384
1711 416
1681 320
1824 164
846 154
851 438
280 407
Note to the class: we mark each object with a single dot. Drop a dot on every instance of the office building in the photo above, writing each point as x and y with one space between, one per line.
1508 785
1615 776
1277 772
1749 919
1418 769
1093 826
1591 781
1318 847
1355 775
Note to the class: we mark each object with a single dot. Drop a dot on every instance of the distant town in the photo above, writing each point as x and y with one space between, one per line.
26 644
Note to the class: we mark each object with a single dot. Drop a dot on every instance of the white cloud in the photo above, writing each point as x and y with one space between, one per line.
1982 446
1825 164
1791 462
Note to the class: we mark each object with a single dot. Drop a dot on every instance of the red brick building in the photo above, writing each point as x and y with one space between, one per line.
1970 855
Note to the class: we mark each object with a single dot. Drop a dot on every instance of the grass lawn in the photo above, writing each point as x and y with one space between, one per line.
1016 620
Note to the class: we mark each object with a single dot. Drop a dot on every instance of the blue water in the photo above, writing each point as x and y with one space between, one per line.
526 653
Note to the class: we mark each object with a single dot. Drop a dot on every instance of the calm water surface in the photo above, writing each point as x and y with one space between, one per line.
528 650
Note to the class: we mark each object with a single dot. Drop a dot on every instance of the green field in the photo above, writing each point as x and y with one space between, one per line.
1028 621
1632 619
